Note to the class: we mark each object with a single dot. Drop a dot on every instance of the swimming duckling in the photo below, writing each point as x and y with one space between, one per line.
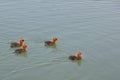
17 44
22 49
51 43
78 56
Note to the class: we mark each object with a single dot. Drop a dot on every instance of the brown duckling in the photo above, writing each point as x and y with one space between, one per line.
78 56
51 43
17 44
22 49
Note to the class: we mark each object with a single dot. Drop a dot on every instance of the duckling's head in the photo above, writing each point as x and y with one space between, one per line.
55 39
21 40
79 55
24 46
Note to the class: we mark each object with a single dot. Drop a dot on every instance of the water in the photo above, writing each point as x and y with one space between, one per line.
89 26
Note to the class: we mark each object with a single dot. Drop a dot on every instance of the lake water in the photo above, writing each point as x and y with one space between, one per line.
89 26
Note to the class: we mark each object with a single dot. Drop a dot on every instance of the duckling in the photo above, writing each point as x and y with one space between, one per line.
51 43
21 50
78 56
17 44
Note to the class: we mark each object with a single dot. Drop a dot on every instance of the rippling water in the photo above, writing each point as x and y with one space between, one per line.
89 26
